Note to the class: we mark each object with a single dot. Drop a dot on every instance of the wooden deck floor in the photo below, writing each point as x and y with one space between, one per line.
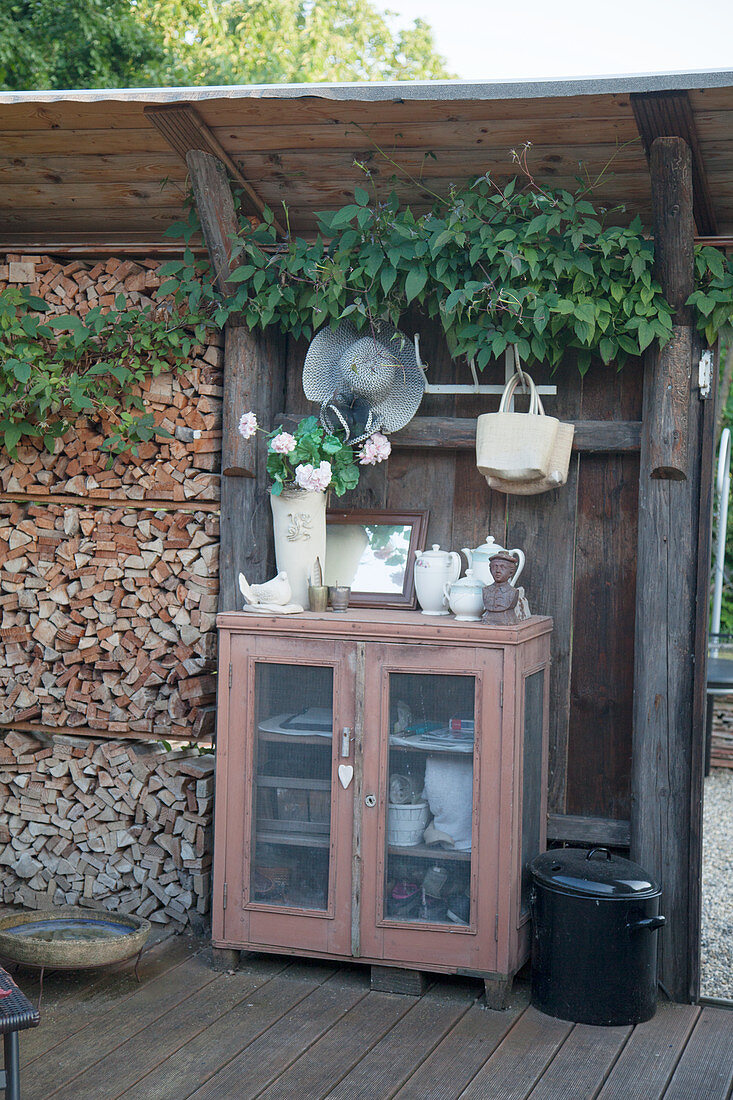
280 1029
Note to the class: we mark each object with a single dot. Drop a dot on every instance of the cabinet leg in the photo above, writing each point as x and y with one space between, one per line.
497 992
393 979
225 958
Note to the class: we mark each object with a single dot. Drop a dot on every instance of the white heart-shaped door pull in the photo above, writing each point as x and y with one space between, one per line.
346 774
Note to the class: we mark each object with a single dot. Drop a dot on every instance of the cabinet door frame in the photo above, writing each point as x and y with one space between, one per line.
257 923
473 946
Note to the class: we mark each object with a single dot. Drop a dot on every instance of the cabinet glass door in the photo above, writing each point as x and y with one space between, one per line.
429 799
292 790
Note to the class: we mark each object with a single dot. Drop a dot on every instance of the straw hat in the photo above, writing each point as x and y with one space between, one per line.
365 382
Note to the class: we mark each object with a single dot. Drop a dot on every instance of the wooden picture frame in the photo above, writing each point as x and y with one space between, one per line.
370 518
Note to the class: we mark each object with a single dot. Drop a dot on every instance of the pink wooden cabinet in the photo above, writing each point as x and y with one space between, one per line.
380 788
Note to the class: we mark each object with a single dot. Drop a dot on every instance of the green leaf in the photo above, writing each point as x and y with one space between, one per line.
12 436
22 371
387 277
343 217
361 196
415 282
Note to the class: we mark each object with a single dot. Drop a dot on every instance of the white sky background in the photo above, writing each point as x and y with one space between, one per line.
536 39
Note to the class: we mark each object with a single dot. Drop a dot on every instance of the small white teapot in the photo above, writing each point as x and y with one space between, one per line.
433 570
466 597
479 560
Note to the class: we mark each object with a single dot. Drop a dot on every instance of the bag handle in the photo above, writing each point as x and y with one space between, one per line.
536 408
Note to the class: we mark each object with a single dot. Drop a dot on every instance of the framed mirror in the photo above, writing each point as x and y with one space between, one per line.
374 554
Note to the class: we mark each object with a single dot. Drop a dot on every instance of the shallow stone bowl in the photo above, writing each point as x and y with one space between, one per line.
100 939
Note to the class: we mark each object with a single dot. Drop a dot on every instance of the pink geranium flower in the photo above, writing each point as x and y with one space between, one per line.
247 425
315 479
283 443
376 449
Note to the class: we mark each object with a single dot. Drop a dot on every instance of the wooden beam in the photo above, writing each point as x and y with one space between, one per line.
666 780
185 130
459 434
674 260
252 381
215 207
670 114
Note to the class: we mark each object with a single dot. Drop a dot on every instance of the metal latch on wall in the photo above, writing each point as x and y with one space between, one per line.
705 374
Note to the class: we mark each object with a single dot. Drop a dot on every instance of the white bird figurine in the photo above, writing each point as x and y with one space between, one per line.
276 591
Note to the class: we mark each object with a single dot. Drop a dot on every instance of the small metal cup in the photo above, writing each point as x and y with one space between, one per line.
339 594
317 597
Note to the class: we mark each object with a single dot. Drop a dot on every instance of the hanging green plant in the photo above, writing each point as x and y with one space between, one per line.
54 370
521 265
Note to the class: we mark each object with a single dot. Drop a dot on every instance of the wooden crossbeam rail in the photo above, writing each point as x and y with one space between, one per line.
670 114
459 434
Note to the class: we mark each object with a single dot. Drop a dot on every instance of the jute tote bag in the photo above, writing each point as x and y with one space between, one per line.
516 446
558 472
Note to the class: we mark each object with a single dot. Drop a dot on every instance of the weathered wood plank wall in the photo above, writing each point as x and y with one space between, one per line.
580 543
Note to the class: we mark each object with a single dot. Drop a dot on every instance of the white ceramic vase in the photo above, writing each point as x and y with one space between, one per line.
434 569
299 523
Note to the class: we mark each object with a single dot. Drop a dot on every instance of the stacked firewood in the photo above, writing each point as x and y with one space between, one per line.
110 825
107 619
186 404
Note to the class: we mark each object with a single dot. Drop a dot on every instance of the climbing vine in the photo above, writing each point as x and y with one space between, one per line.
55 369
520 265
543 270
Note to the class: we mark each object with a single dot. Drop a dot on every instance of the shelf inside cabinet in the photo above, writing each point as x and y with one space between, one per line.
424 851
295 738
410 744
293 782
297 840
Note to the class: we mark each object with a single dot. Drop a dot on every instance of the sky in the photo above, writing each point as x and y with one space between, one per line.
533 39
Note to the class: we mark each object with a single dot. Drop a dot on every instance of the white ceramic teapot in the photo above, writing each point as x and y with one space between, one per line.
479 560
434 569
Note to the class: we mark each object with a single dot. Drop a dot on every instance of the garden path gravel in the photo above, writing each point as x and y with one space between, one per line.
717 885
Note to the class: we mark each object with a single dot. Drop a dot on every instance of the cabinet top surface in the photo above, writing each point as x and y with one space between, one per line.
385 625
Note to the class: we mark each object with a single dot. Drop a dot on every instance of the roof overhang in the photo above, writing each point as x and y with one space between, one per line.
106 168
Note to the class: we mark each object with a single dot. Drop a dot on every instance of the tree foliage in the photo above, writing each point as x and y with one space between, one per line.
76 44
144 43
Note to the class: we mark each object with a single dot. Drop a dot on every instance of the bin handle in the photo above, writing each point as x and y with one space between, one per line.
646 924
593 851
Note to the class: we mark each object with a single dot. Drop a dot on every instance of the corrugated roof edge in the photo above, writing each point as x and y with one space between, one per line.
449 90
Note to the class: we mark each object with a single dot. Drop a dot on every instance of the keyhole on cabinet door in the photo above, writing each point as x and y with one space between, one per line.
370 800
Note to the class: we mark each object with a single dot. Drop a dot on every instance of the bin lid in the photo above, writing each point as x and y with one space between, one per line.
593 873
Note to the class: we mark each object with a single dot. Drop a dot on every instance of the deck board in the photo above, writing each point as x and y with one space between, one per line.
520 1059
327 1062
705 1067
174 1030
389 1064
648 1060
277 1029
461 1054
93 992
581 1066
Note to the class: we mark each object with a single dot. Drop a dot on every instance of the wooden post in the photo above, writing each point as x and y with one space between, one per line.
253 380
668 735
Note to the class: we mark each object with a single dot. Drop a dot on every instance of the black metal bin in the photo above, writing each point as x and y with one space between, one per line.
594 937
